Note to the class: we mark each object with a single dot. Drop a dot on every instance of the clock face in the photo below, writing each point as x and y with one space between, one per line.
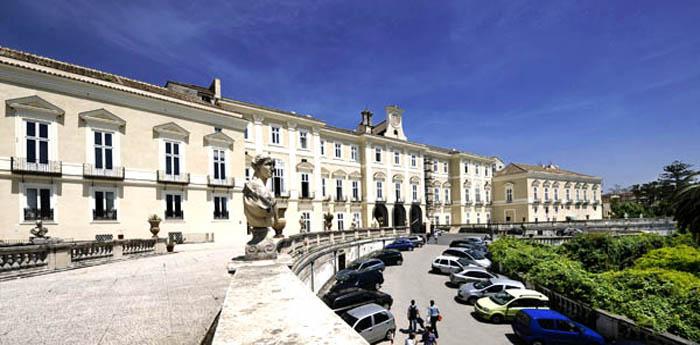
395 120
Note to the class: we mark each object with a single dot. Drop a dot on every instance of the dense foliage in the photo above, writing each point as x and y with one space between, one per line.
636 276
687 207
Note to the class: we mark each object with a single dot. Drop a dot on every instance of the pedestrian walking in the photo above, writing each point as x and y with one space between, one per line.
434 317
413 316
411 340
429 337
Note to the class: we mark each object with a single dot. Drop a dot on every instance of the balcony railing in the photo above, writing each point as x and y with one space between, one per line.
38 214
536 200
116 173
380 199
569 201
341 199
218 182
104 214
357 200
547 201
416 201
478 202
174 214
468 202
221 215
399 200
307 197
20 165
174 179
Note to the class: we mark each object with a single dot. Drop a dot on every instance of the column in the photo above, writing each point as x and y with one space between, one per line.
293 186
258 132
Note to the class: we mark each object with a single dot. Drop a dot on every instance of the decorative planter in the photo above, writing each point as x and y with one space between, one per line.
170 247
154 226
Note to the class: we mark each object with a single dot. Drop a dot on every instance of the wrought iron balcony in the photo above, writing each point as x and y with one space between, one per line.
569 201
173 179
116 173
38 214
478 202
547 201
104 214
307 197
536 200
225 182
221 215
356 200
174 214
341 199
468 202
20 165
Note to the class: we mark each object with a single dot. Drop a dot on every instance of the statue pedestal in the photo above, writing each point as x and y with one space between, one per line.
263 250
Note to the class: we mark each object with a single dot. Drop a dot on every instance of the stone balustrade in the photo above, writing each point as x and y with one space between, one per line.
663 226
31 259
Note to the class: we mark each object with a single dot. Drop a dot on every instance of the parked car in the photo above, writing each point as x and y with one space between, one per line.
471 274
362 265
515 231
371 280
345 299
569 232
388 256
372 322
464 244
539 327
503 305
401 244
418 240
470 254
449 264
470 292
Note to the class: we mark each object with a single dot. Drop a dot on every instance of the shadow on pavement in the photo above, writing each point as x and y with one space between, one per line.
514 339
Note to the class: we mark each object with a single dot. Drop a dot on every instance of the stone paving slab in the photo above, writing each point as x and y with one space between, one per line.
167 299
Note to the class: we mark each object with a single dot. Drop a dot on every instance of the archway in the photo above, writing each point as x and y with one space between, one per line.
399 215
381 214
416 219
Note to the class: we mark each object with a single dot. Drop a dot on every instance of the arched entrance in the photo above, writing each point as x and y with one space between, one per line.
399 215
416 219
381 214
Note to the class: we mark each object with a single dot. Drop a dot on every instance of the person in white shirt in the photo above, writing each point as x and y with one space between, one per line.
411 340
433 314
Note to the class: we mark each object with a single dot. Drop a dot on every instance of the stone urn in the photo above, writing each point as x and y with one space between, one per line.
279 225
154 220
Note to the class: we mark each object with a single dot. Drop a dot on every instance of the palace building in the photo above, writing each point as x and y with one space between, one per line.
92 153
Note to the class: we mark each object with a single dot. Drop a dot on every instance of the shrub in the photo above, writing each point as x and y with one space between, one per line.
564 276
681 258
603 252
517 257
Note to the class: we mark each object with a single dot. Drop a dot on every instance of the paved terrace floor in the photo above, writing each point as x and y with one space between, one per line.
167 299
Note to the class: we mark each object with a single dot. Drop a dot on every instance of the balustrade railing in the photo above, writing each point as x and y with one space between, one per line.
115 173
90 251
138 246
19 258
21 165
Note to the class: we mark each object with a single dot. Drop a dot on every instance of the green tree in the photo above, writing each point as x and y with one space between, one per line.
631 209
687 207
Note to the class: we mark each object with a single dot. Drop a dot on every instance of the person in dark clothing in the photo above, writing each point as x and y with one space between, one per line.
413 316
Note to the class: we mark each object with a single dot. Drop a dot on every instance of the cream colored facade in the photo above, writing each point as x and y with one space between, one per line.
171 146
531 193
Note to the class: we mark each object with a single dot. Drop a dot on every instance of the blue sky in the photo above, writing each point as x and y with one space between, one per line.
606 88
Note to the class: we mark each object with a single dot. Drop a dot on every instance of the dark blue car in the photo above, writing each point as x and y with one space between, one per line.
548 327
401 244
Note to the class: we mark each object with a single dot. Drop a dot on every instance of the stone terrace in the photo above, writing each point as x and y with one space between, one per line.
166 299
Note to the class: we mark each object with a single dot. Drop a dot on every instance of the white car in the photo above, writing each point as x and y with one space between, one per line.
372 322
467 253
450 264
470 275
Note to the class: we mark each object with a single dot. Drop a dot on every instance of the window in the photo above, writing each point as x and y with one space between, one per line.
338 189
487 196
247 174
378 154
414 192
447 195
306 221
445 167
486 171
275 131
303 140
380 190
413 161
397 158
173 206
278 178
494 288
104 206
220 207
577 195
437 222
356 219
364 324
467 218
509 194
447 220
245 133
546 194
323 147
323 187
476 169
435 166
477 195
397 190
353 153
380 317
338 150
305 186
219 157
585 195
38 204
556 194
437 195
37 141
466 194
478 218
172 158
103 150
355 190
568 194
340 221
534 193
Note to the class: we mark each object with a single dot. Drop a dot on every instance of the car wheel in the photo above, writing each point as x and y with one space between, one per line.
472 300
386 306
410 249
497 318
377 286
435 270
389 334
399 262
538 342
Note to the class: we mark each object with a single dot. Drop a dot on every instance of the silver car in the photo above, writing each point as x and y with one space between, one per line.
449 264
372 322
471 292
470 275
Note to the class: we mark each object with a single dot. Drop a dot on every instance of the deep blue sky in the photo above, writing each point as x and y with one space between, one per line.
605 88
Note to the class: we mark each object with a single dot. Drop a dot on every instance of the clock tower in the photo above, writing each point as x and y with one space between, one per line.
394 122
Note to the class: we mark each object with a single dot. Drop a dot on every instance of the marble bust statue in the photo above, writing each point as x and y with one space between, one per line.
260 208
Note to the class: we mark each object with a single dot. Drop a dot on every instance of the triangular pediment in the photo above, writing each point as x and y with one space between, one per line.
171 130
339 173
325 172
218 139
34 105
355 175
511 169
102 116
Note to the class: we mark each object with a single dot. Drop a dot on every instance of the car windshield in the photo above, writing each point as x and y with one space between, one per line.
465 261
354 265
482 284
349 319
501 298
476 255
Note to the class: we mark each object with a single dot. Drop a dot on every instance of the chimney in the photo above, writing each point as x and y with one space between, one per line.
215 87
366 124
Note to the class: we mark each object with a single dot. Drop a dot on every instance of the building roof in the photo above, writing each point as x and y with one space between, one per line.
93 73
519 168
